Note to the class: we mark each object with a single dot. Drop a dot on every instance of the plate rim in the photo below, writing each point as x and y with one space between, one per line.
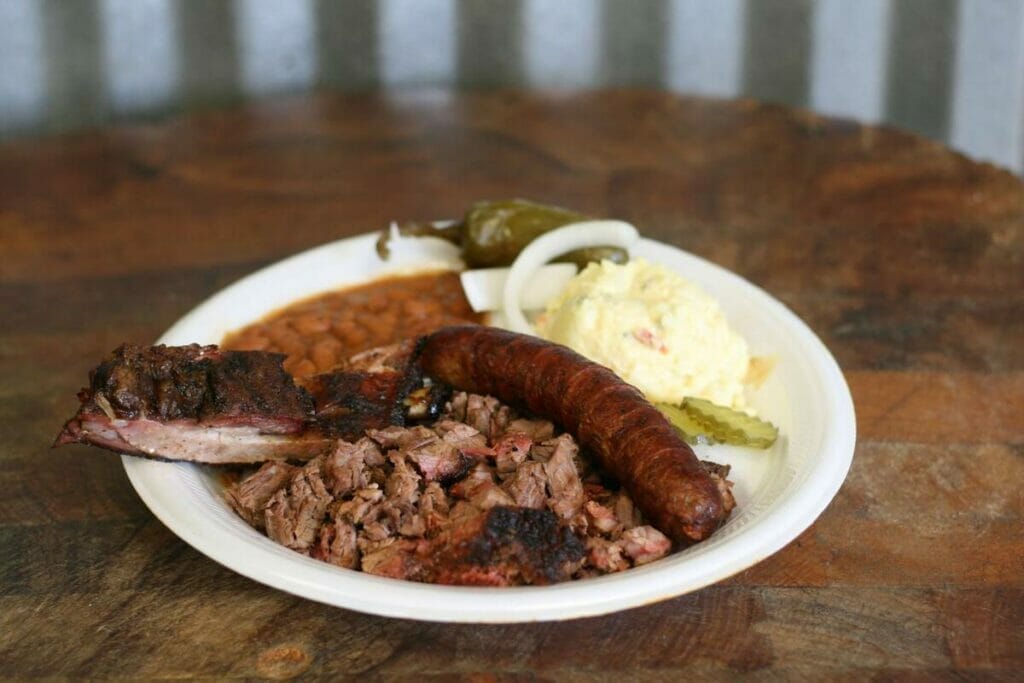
319 581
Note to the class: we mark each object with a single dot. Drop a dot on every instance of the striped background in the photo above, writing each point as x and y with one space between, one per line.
950 69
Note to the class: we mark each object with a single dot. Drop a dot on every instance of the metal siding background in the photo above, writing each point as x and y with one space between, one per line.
988 94
490 43
74 64
920 65
952 70
705 47
849 58
633 42
562 43
417 42
209 53
777 50
141 55
347 51
23 65
277 44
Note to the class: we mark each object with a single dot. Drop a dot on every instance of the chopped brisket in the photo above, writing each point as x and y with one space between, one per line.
510 451
451 503
360 506
563 480
601 518
605 556
344 468
336 544
434 507
486 415
537 430
645 544
626 512
438 460
460 435
396 560
412 524
250 496
456 408
719 474
479 477
395 437
528 486
491 495
506 546
403 484
294 514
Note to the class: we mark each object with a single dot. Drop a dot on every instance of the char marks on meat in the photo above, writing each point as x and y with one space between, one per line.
349 403
194 403
507 546
480 496
373 390
451 504
200 382
201 404
621 430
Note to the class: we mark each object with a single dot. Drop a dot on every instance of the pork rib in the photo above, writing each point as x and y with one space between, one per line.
203 404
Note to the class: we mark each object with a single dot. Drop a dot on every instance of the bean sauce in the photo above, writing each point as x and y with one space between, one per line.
320 332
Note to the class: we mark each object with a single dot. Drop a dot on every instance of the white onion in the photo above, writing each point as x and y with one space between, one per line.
485 287
574 236
421 251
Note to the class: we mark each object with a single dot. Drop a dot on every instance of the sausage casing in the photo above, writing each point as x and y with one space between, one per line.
611 419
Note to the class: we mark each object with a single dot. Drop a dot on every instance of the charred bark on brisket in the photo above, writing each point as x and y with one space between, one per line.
201 404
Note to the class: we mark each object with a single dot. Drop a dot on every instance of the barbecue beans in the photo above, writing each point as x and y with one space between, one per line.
317 334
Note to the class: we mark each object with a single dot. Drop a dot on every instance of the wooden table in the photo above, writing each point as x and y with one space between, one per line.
907 259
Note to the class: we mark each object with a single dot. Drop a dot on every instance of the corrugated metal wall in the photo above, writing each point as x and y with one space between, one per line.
949 69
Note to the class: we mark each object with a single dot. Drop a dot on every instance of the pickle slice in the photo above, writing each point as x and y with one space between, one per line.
731 426
691 430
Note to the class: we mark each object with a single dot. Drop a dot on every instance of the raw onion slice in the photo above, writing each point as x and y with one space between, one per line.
581 235
485 287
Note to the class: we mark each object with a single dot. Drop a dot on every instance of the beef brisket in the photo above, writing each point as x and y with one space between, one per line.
294 514
250 497
450 504
506 546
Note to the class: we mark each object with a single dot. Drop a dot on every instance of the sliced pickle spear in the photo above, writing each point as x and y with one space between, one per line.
692 431
730 426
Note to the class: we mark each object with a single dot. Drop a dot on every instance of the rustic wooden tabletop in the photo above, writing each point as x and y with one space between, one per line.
907 260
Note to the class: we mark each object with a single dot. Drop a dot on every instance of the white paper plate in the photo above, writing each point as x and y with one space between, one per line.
779 492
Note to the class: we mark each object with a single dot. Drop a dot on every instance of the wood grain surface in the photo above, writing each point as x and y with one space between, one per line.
907 260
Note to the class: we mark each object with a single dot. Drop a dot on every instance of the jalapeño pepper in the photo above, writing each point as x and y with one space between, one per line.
494 232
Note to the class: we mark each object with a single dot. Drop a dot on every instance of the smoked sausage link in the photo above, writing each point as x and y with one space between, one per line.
610 418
